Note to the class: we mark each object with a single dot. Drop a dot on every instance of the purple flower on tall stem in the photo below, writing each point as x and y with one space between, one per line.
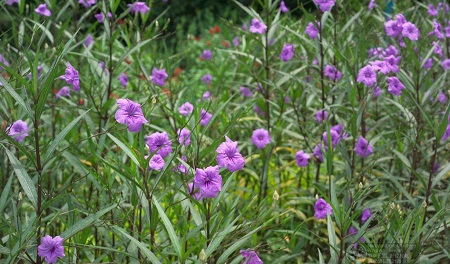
335 138
156 162
206 79
302 158
321 115
138 7
287 53
363 148
393 28
11 2
283 7
395 86
367 76
446 64
65 91
236 41
206 55
209 181
159 76
442 98
87 3
311 30
123 79
366 214
260 138
71 77
331 72
184 136
410 31
51 248
257 26
376 91
159 142
317 153
205 117
432 11
180 167
4 61
392 62
100 17
130 113
325 5
372 4
186 109
246 92
228 155
250 257
206 96
322 209
18 130
88 40
43 10
446 133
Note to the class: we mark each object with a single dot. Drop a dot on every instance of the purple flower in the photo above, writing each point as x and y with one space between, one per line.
208 181
283 7
432 11
206 55
410 31
391 50
205 117
43 10
159 76
311 30
11 2
206 96
380 65
228 155
447 133
393 28
392 62
376 91
317 153
442 98
71 77
194 191
365 215
39 72
437 49
130 113
363 148
4 61
51 248
250 257
302 158
184 136
428 64
156 162
246 92
335 138
206 79
186 109
325 5
339 129
18 130
180 167
437 30
258 110
236 41
321 115
257 26
287 53
367 76
103 67
159 142
65 91
260 138
331 72
322 209
99 17
395 86
88 40
87 3
372 4
446 64
123 79
138 7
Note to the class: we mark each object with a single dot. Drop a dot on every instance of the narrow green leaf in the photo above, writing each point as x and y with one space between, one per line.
24 179
15 95
402 158
143 247
61 136
168 225
86 222
332 240
124 148
5 194
237 245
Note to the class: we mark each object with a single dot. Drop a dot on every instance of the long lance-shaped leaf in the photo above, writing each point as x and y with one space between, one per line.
15 95
145 251
168 225
86 222
61 136
237 245
124 148
25 181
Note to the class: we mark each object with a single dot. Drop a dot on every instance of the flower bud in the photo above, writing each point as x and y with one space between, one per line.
276 196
